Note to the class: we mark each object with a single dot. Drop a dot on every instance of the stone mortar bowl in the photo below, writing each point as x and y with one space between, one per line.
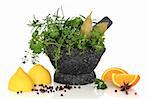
77 68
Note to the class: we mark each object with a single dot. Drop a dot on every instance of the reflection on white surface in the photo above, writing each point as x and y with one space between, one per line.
85 92
28 96
110 92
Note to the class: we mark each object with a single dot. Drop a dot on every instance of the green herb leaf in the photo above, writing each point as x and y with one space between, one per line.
37 47
100 84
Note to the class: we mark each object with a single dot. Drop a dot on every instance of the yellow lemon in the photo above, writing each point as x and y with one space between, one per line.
40 75
20 81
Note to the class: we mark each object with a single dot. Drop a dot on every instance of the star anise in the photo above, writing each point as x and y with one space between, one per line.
125 87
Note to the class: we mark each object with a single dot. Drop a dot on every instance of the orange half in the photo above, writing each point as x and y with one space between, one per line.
107 75
120 79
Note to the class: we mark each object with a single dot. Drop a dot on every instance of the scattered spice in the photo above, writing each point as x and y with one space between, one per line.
115 90
127 93
23 62
125 87
35 89
50 89
56 88
41 85
67 86
79 87
61 95
46 86
61 88
42 90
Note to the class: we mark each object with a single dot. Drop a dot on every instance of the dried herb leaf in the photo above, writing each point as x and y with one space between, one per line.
86 28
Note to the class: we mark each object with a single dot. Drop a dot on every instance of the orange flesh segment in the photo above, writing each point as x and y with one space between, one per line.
107 75
120 79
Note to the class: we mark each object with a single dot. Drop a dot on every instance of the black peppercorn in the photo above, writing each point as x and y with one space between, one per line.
40 84
23 62
67 86
79 87
61 88
127 93
61 95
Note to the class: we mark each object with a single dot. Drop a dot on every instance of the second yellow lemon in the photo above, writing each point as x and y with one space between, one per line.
40 75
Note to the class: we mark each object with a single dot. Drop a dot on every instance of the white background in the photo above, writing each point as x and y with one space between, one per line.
127 40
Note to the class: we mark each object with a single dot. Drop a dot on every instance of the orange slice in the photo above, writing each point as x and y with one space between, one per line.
107 75
120 79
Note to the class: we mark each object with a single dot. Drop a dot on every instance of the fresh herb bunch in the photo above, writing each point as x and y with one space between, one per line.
100 84
59 32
